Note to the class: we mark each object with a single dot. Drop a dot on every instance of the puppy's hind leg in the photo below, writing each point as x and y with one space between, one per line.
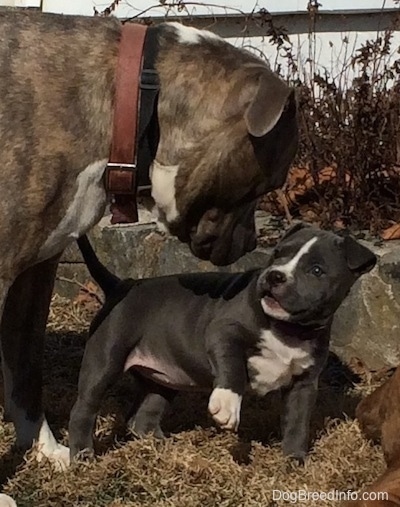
103 362
149 409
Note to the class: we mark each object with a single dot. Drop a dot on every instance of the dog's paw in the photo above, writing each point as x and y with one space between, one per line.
58 455
142 429
295 457
49 448
224 406
292 464
6 501
86 455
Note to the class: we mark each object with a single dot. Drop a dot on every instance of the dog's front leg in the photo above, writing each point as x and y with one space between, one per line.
298 400
22 333
226 355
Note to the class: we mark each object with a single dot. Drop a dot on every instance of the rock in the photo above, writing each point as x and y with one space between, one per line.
367 324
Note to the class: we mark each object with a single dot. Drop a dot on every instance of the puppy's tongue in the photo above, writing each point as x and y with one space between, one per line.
272 308
272 303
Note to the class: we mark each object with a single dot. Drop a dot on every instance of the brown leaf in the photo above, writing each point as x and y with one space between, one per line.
392 232
90 295
357 366
339 224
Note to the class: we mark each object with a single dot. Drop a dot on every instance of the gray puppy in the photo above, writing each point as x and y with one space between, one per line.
266 329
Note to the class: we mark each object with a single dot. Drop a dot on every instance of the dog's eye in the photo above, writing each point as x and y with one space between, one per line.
317 271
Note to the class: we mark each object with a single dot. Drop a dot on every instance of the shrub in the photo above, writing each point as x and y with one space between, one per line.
349 134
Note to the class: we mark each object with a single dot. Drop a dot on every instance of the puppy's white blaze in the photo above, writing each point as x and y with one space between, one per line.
290 266
6 501
163 189
85 210
190 35
278 362
224 406
49 447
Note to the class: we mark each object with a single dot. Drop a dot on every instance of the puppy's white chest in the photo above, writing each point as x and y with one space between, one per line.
85 210
278 362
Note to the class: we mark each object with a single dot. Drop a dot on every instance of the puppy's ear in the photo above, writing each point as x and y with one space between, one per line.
271 97
359 258
296 227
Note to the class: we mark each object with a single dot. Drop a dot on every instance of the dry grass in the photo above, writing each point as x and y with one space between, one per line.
197 465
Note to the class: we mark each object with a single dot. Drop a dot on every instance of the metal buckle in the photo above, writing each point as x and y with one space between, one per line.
149 80
122 167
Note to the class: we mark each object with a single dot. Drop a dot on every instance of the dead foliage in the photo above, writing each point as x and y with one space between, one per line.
347 169
197 465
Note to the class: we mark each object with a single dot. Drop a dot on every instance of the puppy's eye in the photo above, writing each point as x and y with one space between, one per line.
317 271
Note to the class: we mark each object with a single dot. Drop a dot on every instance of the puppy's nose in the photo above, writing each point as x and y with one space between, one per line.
276 277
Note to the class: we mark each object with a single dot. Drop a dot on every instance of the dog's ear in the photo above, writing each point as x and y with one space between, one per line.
260 97
296 227
359 258
266 106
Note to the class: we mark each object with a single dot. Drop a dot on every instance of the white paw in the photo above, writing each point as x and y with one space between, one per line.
58 455
224 406
6 501
50 449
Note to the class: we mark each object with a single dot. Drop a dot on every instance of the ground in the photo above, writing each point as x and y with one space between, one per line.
198 465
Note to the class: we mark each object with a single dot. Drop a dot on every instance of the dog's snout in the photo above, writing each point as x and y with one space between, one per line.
276 277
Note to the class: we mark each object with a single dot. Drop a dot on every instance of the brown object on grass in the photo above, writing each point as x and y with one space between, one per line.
392 232
379 417
389 484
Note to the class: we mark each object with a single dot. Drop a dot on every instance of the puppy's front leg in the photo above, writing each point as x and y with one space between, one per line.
226 355
299 400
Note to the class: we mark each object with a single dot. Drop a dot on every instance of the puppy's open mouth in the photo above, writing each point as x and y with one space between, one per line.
273 308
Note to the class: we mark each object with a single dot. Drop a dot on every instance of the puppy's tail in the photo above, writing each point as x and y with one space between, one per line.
104 278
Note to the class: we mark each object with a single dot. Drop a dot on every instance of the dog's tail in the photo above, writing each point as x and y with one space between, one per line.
104 278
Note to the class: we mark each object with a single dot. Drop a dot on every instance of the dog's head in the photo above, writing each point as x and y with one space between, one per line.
228 133
310 273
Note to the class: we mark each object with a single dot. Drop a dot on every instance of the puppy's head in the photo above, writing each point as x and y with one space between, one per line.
310 273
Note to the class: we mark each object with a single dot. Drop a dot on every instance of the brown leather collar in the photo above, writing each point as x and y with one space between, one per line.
121 170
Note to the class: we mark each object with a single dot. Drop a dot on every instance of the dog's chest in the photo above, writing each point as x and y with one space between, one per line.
277 362
85 210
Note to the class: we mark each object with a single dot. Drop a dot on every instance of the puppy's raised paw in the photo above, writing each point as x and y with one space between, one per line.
224 406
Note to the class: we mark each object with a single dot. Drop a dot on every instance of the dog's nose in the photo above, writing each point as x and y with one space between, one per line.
276 277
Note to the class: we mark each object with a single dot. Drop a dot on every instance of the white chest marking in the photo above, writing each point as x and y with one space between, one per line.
278 362
85 210
290 266
163 189
190 35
